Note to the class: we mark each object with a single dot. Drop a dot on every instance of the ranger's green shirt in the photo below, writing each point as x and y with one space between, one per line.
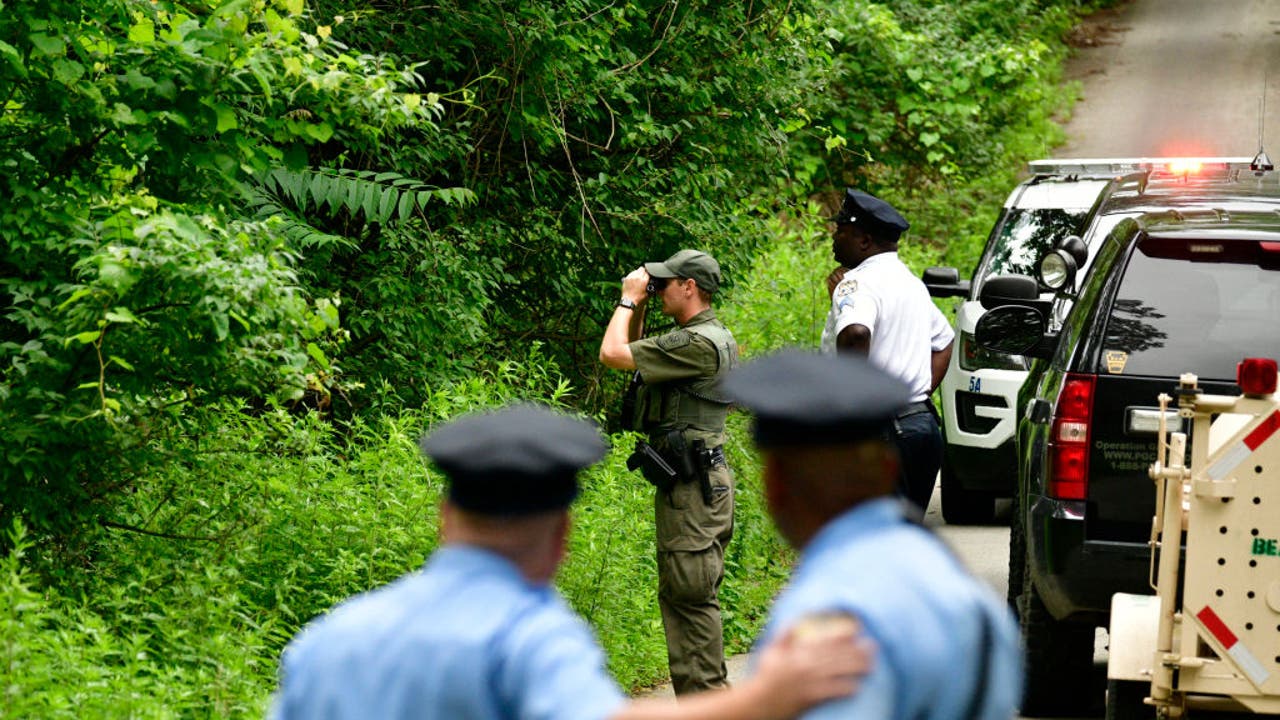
680 370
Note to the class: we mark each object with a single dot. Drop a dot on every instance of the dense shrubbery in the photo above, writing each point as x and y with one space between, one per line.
254 249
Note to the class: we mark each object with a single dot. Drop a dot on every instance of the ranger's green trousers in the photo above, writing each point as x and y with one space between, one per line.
692 537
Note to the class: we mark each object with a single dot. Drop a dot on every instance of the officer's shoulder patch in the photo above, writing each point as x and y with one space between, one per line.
675 339
846 288
824 624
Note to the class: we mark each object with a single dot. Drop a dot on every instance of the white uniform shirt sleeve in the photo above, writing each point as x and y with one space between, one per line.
853 303
941 332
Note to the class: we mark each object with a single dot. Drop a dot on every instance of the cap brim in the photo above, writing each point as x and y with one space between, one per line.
658 270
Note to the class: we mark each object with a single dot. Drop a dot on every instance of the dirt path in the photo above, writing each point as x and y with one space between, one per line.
1175 77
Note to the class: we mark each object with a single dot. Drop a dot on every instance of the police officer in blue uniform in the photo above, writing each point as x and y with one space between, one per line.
880 310
948 646
480 632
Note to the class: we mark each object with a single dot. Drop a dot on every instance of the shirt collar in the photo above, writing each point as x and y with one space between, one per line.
704 316
473 560
868 516
878 258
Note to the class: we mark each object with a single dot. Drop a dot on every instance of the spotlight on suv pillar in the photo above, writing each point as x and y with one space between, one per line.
1057 269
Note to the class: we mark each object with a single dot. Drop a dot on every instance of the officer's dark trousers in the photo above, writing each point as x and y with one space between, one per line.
919 443
692 537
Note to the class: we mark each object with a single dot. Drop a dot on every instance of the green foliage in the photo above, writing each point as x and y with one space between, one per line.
927 88
594 137
202 575
134 281
223 215
64 659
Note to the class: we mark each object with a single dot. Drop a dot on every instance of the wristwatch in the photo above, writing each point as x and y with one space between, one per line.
627 303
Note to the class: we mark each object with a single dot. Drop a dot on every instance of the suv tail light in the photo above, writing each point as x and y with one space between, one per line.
1069 441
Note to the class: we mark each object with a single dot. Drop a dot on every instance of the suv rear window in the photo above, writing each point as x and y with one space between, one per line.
1190 305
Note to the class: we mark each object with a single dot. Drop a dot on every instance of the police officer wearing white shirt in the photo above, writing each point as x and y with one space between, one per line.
949 644
881 310
481 633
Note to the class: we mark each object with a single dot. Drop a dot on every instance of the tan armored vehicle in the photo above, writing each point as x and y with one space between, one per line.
1209 639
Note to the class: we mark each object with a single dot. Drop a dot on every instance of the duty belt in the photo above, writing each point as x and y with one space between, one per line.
915 408
715 456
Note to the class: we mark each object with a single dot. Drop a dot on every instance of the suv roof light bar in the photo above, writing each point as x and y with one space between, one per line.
1173 166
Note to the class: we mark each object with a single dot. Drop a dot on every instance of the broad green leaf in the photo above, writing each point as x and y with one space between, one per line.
143 32
227 119
221 325
13 57
387 204
322 191
85 338
121 315
78 294
121 362
67 72
320 132
406 206
137 81
48 45
125 115
318 355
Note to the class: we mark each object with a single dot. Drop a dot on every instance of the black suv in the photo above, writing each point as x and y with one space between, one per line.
1186 278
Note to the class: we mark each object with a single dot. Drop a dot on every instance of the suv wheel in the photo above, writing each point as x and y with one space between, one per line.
1017 556
1059 660
964 507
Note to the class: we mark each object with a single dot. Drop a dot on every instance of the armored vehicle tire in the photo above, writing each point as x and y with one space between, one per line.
1059 661
1124 700
961 506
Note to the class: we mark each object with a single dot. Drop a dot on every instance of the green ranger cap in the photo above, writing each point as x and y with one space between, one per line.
689 264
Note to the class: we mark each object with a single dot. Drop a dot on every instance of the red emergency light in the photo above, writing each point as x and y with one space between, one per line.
1256 376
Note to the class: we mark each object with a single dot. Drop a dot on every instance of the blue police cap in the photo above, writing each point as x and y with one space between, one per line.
872 214
804 398
517 460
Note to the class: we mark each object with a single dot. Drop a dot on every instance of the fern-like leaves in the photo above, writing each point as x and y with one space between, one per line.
381 197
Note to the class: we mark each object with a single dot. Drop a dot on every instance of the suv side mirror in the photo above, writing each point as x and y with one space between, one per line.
1014 330
1000 290
945 282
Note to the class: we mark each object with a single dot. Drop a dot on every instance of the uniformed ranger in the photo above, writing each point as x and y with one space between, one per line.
949 646
880 310
480 633
683 415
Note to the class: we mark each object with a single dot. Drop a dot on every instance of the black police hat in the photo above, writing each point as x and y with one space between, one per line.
517 460
803 398
872 214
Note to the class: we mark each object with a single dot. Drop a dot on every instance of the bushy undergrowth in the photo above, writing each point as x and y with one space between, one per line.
178 602
180 606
